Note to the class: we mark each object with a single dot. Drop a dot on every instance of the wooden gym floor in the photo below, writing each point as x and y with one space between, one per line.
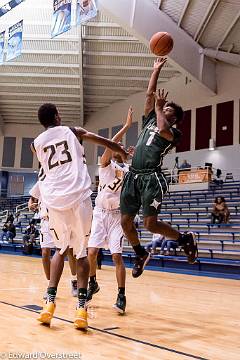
169 316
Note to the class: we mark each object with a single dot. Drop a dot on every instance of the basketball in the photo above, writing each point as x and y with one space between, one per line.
161 43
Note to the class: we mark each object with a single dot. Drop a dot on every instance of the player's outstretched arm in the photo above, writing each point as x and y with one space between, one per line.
162 123
126 126
83 134
152 86
107 155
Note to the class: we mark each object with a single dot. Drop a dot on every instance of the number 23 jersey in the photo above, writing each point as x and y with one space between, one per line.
66 178
110 184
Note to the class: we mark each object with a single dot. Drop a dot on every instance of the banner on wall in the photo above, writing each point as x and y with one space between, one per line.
86 10
61 20
2 38
9 6
194 176
14 46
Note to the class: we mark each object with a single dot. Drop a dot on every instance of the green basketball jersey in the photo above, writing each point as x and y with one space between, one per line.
151 147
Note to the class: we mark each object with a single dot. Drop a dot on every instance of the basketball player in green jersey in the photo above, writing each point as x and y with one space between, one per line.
145 185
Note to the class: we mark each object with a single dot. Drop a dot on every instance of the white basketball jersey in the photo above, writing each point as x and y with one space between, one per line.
110 184
35 192
66 178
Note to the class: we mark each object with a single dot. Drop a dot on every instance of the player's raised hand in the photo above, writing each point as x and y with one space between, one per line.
129 117
160 98
159 62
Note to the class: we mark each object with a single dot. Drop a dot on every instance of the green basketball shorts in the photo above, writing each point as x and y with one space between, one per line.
144 189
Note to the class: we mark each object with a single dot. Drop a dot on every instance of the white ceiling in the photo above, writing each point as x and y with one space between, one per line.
114 65
47 70
107 66
213 24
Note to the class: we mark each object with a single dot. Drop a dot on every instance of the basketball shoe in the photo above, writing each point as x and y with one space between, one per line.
80 321
139 264
93 288
190 248
47 312
120 305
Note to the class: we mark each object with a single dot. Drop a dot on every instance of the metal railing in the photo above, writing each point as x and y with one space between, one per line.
4 215
21 207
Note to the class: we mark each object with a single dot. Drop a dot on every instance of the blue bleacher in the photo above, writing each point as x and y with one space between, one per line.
219 245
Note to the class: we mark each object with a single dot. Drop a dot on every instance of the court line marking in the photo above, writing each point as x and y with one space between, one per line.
30 288
115 334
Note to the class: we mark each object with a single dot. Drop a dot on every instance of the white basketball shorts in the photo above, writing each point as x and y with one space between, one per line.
71 227
106 230
46 240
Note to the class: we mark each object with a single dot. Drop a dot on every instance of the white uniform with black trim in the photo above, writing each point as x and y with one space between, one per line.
106 231
65 188
46 240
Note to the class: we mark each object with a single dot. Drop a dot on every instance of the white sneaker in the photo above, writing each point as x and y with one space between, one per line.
74 288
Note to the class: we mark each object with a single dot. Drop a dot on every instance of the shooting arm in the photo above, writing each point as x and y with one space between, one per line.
152 86
149 102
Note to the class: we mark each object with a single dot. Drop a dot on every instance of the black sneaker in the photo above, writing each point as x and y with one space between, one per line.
120 305
93 288
139 264
190 247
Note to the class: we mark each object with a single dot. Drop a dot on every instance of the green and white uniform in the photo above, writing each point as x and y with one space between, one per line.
145 184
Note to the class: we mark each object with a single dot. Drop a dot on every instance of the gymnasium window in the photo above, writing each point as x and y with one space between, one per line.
115 130
132 135
224 135
9 147
26 154
185 128
104 133
203 127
